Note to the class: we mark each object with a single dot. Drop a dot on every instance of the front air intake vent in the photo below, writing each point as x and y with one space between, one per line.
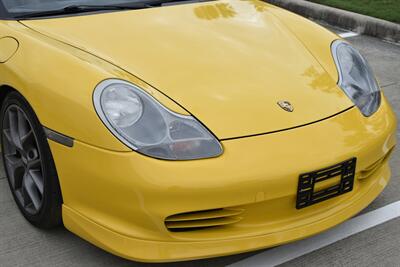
198 220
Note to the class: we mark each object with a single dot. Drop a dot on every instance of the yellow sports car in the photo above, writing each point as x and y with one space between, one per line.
166 130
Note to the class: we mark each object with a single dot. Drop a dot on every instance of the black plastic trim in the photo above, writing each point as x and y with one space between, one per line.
306 194
3 12
58 137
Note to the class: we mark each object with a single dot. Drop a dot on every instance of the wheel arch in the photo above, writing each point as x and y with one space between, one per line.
4 91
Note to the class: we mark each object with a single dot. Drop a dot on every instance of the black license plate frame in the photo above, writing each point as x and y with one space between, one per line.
306 194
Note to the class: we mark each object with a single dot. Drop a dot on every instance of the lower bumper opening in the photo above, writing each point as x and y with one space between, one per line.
198 220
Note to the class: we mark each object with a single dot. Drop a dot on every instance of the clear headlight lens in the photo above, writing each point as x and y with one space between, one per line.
122 106
356 78
144 125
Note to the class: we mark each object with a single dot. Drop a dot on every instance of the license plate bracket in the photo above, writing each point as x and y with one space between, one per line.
306 194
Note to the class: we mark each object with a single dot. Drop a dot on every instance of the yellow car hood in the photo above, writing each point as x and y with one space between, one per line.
228 63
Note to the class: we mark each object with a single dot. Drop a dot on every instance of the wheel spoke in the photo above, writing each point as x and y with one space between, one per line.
34 164
23 125
31 194
20 197
13 119
16 169
7 134
28 141
37 178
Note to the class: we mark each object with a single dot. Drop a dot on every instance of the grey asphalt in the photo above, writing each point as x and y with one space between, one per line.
23 245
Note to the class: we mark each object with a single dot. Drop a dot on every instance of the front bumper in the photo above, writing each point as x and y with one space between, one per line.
119 200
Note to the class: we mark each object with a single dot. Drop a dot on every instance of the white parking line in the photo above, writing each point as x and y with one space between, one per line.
285 253
348 34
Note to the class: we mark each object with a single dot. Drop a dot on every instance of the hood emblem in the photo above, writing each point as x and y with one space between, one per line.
286 105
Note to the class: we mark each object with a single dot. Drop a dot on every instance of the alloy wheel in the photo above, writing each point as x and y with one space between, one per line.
22 159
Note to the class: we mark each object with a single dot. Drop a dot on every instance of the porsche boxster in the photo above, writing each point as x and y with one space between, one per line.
166 130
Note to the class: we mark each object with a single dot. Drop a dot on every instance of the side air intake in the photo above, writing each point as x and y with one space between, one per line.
197 220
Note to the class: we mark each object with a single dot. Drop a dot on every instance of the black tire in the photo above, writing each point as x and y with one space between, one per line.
28 163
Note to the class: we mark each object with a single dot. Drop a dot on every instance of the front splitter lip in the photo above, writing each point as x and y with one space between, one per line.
165 251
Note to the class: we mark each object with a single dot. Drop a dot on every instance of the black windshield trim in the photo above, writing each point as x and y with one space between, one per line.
3 11
78 9
5 15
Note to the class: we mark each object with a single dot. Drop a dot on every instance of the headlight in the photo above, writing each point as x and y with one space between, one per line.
356 78
143 124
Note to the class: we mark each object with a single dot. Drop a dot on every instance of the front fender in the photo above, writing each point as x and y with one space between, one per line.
58 81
